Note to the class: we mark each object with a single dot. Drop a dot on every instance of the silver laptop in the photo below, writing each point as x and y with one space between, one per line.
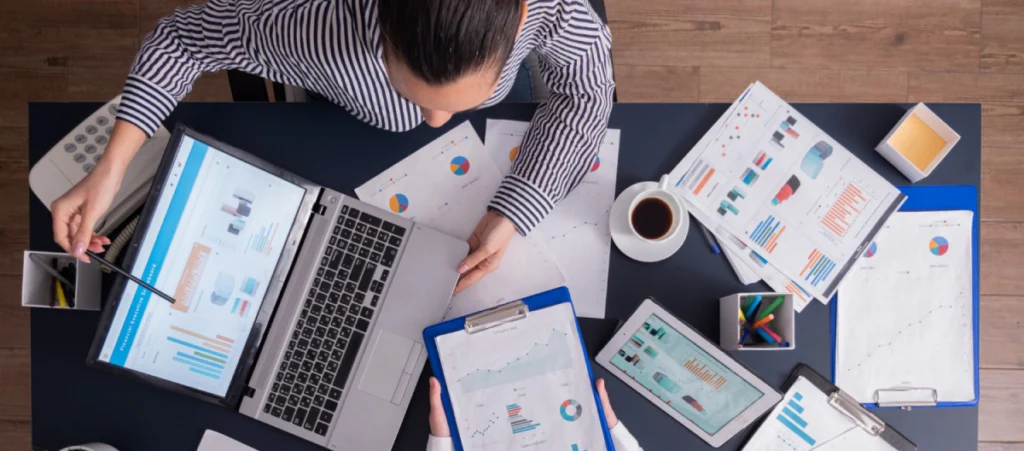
299 306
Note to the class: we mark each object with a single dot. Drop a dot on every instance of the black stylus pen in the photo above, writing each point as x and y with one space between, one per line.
122 272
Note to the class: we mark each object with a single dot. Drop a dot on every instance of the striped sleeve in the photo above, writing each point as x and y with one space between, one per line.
201 38
567 130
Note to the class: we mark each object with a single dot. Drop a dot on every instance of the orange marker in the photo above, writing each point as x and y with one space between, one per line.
763 321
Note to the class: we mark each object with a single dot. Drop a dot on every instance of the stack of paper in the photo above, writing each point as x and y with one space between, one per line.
776 190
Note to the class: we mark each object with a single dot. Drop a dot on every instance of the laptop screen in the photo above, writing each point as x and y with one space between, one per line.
213 243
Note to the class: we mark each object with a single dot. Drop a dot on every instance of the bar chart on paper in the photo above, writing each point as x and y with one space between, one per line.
845 210
767 232
791 418
818 268
203 355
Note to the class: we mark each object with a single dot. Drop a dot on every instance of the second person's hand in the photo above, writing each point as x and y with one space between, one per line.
487 246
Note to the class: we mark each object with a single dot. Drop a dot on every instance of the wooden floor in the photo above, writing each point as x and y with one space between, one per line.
665 51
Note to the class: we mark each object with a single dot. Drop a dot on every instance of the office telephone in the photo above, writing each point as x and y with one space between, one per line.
76 155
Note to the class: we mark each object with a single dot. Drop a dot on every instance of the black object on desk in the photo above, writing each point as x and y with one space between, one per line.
341 152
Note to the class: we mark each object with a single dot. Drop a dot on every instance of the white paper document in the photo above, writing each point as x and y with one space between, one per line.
447 185
215 441
787 190
522 385
577 231
805 421
913 291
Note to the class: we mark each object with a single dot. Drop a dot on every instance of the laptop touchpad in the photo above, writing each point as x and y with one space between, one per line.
384 370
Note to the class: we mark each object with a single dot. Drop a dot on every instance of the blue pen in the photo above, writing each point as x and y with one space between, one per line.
710 239
743 338
752 308
765 335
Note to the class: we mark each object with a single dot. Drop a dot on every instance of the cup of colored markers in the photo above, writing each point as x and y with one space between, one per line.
757 322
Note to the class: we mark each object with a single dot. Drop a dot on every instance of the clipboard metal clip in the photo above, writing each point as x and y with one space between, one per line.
907 397
513 311
852 409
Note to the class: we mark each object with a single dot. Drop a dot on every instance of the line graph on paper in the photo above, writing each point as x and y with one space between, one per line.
902 333
905 317
579 227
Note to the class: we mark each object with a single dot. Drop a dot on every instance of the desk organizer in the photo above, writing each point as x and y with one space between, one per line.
37 284
918 143
730 329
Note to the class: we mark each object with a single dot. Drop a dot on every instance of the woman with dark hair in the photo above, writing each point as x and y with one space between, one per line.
392 64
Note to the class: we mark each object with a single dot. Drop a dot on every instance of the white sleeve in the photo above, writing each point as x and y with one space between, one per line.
439 444
623 440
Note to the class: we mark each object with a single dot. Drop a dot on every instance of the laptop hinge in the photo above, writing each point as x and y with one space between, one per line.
319 209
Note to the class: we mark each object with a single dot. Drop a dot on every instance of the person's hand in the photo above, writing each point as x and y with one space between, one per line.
609 414
75 213
438 420
487 246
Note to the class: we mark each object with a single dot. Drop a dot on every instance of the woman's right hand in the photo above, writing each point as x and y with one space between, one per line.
76 212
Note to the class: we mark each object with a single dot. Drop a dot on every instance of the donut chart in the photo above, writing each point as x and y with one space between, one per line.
460 165
938 245
398 203
571 410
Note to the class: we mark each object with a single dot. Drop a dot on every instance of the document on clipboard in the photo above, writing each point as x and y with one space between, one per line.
517 377
816 415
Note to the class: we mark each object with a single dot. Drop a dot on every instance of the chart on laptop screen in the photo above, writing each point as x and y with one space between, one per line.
213 244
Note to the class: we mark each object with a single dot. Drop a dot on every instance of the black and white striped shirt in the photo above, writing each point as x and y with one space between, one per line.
333 47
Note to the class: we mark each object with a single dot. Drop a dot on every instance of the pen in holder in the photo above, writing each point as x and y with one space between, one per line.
757 322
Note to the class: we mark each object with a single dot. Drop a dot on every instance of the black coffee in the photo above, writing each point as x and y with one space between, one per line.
652 218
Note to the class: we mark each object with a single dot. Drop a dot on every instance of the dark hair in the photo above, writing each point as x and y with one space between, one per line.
443 40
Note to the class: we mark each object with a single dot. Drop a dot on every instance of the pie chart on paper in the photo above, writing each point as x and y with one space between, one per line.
596 165
460 165
938 246
399 203
871 250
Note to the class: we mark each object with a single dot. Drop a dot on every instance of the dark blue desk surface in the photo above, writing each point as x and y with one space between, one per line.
74 404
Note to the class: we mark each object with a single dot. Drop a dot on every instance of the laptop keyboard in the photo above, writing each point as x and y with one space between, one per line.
336 315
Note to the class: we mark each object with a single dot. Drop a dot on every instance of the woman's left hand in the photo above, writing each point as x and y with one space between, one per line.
487 246
438 420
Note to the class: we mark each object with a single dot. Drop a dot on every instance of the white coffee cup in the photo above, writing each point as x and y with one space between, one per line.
660 216
90 447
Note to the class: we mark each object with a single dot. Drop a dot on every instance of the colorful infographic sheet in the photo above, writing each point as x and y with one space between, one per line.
805 421
785 189
214 241
913 288
577 231
447 185
684 376
523 385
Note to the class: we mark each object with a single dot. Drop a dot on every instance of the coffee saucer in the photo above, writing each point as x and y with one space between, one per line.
633 246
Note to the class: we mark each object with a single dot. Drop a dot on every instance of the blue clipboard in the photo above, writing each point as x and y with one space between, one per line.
502 314
939 198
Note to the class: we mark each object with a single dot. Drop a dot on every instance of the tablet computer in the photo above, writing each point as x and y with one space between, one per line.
686 375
